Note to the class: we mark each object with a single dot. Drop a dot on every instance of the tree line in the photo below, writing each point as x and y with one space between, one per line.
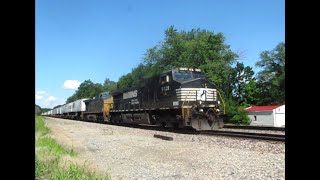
39 110
238 84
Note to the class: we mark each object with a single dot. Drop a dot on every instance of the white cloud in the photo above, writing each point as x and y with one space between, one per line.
41 92
45 100
51 98
38 97
71 84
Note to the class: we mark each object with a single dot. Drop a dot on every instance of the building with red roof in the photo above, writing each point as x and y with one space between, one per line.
267 115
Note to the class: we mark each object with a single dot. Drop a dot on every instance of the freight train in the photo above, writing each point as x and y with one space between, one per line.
181 97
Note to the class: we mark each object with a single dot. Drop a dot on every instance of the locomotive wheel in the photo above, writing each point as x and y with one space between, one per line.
106 118
221 123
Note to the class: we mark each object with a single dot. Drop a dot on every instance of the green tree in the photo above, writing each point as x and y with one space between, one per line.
45 110
125 81
197 49
240 78
250 93
87 89
38 110
72 98
271 79
109 85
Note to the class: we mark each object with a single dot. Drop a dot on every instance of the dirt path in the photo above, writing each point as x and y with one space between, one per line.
128 153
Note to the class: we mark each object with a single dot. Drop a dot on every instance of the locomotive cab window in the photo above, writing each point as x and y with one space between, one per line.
105 95
198 75
182 76
164 79
185 74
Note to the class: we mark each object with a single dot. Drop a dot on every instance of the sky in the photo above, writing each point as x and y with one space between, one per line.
77 40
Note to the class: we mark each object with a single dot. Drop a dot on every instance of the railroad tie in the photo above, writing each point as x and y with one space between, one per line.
163 137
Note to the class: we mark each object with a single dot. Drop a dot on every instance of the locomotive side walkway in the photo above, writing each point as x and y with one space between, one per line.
130 153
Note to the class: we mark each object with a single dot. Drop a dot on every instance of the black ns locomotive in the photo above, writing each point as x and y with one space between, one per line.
180 97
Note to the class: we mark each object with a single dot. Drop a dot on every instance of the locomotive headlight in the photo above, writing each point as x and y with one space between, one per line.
200 110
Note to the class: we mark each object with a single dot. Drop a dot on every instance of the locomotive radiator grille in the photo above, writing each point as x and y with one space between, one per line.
196 94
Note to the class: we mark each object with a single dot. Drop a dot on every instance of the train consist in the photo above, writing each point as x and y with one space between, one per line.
181 97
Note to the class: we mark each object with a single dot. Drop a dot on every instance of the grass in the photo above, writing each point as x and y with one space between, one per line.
53 170
40 127
49 162
53 147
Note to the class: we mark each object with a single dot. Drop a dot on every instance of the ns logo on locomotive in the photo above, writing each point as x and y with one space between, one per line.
181 97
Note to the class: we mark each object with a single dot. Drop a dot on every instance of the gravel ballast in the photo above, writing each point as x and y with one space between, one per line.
131 153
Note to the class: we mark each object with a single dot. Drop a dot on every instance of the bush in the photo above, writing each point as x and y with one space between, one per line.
241 117
231 110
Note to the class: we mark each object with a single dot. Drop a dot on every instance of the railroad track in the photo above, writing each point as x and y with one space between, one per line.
261 136
247 135
254 127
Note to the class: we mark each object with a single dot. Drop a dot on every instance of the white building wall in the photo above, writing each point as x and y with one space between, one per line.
263 118
279 116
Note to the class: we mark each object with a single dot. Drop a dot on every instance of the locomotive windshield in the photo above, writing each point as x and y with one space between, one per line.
105 95
186 74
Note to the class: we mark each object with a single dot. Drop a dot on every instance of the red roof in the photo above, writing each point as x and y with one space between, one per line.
262 108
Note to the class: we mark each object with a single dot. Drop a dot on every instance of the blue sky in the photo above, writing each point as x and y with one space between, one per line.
78 40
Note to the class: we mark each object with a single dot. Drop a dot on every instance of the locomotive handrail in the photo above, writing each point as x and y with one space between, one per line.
182 109
224 105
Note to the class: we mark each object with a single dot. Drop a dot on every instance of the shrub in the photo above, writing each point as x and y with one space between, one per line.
241 117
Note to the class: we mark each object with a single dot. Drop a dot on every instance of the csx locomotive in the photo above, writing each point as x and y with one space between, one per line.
179 98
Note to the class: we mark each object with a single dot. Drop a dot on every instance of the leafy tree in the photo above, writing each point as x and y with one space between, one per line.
250 93
133 78
72 98
231 109
125 81
198 49
45 110
109 85
87 89
38 110
271 80
240 78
